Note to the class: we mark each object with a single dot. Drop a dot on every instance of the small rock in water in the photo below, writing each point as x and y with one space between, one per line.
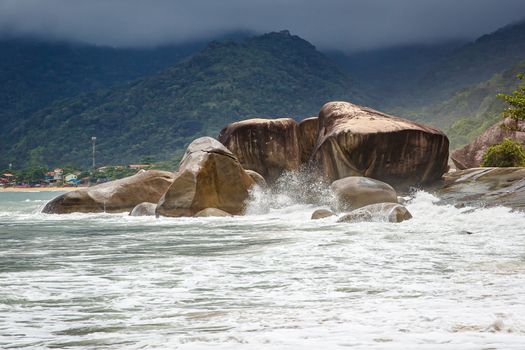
259 180
354 192
144 209
211 212
321 213
391 212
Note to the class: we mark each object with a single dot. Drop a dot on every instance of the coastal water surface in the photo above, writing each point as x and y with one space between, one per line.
447 279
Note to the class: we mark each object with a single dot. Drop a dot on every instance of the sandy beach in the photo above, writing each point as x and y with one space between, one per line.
38 189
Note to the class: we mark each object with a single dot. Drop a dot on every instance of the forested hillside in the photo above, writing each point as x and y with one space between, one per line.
276 74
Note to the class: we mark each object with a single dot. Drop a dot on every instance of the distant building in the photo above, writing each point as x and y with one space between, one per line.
6 179
58 174
71 178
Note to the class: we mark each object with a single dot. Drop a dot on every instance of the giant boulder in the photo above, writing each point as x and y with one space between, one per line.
471 155
267 146
114 196
209 176
359 141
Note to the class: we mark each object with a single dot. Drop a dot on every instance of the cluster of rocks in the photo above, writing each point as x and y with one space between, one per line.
354 148
364 199
344 140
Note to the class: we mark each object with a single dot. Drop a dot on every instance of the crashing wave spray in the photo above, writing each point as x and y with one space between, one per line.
300 187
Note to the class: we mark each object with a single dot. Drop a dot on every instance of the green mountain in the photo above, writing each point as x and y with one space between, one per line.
34 73
475 62
405 78
472 110
389 75
276 74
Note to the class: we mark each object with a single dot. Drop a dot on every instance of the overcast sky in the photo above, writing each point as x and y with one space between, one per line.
341 24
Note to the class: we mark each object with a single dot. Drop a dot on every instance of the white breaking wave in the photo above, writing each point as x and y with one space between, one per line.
450 278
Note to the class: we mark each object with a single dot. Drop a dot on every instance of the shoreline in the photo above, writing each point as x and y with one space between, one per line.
39 189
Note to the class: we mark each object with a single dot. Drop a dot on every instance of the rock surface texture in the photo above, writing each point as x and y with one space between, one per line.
307 137
114 196
209 176
471 155
359 141
267 146
356 191
390 212
485 187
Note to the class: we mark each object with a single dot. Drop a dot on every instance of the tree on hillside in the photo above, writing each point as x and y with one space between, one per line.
516 100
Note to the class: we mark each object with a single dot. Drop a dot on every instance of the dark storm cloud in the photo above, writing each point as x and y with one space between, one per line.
350 24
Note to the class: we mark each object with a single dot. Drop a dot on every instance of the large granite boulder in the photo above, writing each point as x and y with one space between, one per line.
307 137
267 146
114 196
209 176
359 141
485 187
390 212
471 155
356 191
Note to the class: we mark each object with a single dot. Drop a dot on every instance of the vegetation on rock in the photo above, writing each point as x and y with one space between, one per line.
509 153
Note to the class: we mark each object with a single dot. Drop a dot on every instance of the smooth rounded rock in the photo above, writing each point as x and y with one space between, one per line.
356 191
209 176
259 180
144 209
114 196
321 214
211 212
390 212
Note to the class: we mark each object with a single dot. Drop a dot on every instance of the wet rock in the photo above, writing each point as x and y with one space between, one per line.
471 155
359 141
308 129
114 196
484 187
259 180
267 146
209 176
356 191
144 209
390 212
211 212
321 214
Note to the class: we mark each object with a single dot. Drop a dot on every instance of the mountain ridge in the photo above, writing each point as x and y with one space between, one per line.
276 74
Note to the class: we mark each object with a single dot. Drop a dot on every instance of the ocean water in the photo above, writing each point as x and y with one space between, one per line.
447 279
